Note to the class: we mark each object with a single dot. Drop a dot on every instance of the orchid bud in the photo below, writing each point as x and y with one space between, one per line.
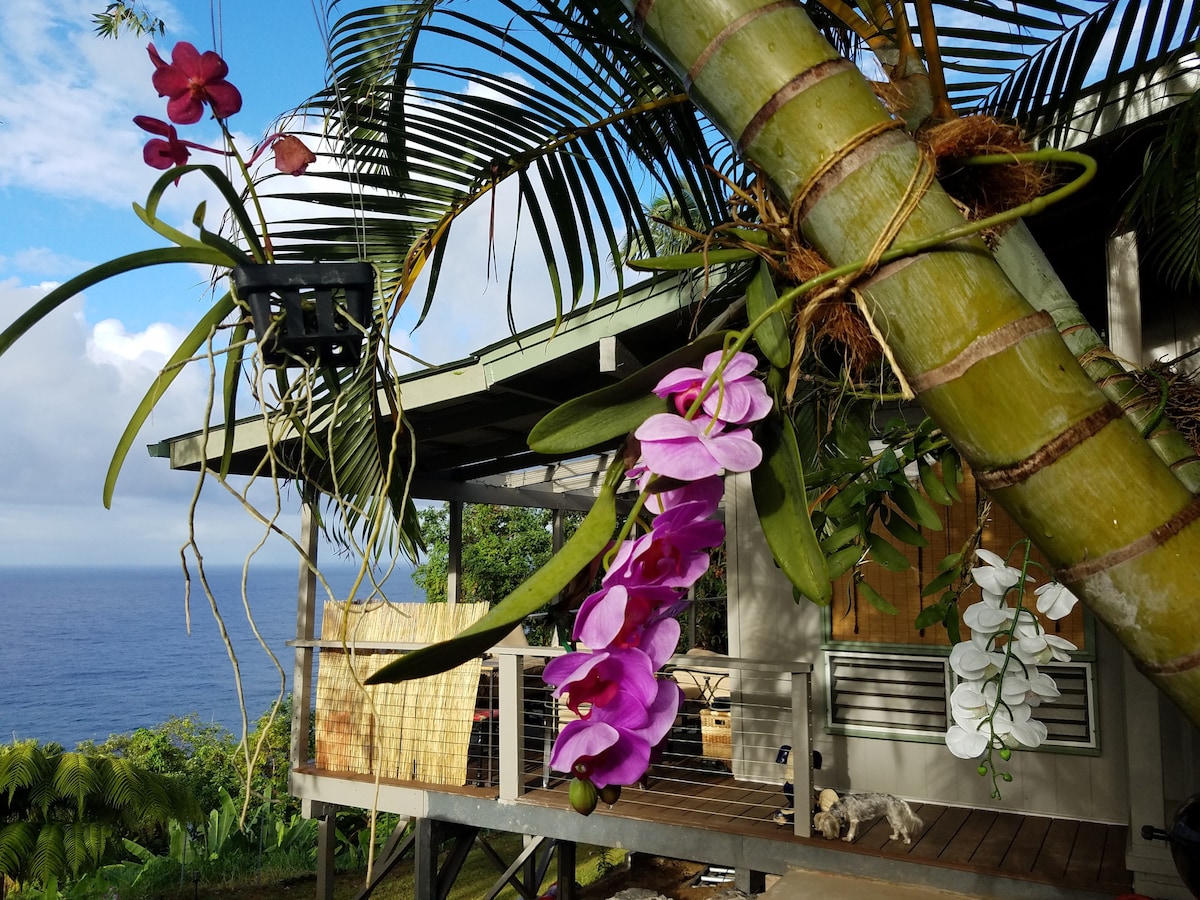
583 796
610 793
291 156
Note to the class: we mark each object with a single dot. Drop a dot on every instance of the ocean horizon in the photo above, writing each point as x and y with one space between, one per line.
88 652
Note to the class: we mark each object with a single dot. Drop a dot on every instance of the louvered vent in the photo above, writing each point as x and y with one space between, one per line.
1071 719
887 693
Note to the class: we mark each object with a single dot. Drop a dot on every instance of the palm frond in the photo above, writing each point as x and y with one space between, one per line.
1091 55
1165 205
561 97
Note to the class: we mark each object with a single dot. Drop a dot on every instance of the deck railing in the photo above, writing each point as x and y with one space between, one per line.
745 719
744 729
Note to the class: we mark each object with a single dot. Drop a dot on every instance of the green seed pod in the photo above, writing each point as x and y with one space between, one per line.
583 796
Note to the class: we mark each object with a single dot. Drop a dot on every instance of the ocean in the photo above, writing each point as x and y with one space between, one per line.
85 653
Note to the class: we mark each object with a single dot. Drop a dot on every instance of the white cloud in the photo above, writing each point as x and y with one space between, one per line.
69 390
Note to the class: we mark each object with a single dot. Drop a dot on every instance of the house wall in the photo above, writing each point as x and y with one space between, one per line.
765 623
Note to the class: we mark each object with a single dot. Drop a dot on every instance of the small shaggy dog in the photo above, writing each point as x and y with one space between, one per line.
854 808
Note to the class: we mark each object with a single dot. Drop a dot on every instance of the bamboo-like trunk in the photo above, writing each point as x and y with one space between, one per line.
992 372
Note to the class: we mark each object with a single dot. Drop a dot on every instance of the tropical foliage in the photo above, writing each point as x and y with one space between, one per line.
60 812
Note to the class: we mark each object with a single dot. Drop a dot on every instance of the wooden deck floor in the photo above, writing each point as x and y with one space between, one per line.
1078 856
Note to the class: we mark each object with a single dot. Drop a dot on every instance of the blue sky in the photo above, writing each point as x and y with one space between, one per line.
70 168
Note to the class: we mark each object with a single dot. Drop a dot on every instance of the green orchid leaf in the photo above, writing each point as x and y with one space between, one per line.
586 544
951 623
140 260
846 499
233 368
160 227
685 261
952 474
933 485
940 583
882 552
902 531
185 351
916 507
953 561
876 599
930 616
772 335
843 560
779 497
841 537
237 207
615 410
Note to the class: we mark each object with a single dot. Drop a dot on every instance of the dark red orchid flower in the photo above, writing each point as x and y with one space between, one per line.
165 151
191 80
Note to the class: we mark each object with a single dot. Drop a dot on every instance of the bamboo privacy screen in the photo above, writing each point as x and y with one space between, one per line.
418 730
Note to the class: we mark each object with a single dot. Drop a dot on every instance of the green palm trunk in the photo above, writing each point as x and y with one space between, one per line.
995 375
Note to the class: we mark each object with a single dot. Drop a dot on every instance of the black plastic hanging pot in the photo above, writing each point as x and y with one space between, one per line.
308 313
1184 840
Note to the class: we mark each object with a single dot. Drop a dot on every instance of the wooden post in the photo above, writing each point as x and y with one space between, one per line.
512 724
454 551
326 844
306 618
802 779
1124 298
425 867
566 870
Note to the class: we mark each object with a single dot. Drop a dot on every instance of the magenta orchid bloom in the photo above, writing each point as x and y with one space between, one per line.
691 450
166 151
736 398
191 80
619 681
673 554
600 753
640 617
607 748
667 493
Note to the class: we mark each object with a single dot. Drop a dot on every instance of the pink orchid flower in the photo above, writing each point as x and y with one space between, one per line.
640 617
619 681
736 398
611 749
600 752
191 80
666 493
672 554
689 450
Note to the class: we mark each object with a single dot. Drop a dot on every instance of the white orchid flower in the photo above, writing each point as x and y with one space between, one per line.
971 662
1042 648
1041 687
996 577
986 617
1055 600
968 705
967 743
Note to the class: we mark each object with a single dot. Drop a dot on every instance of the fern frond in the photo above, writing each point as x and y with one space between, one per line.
17 840
49 859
